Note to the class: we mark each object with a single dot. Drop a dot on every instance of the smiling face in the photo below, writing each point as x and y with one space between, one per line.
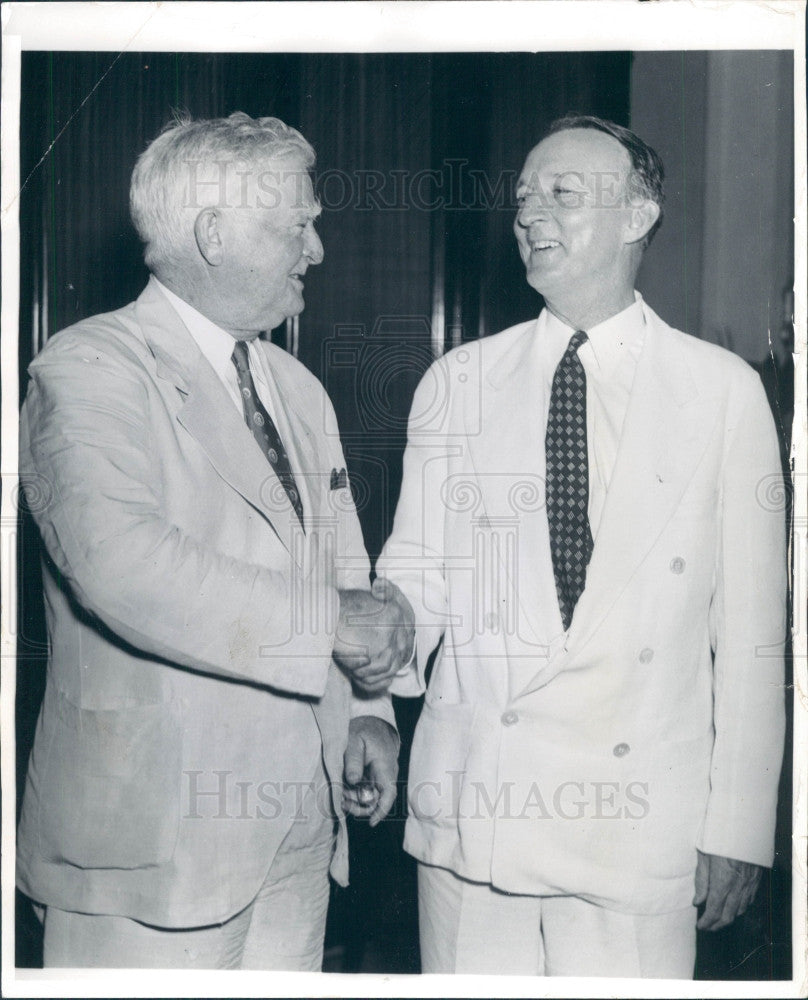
574 226
268 242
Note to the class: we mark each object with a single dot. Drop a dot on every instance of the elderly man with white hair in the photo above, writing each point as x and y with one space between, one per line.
217 660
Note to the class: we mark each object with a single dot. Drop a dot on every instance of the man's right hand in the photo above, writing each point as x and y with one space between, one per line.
375 636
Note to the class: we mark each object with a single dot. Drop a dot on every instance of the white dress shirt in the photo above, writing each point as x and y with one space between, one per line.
217 346
609 359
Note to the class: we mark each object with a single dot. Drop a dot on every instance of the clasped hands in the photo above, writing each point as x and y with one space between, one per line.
375 635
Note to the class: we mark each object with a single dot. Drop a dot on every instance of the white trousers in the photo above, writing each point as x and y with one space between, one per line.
283 928
470 927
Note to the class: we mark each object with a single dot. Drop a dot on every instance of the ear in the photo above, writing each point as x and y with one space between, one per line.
207 230
641 219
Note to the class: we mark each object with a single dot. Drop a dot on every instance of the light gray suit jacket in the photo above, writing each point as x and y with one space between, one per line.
191 690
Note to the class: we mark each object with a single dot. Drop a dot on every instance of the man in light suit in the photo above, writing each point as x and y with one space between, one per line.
206 588
582 529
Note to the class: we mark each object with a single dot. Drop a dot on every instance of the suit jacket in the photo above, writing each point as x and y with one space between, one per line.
594 762
190 691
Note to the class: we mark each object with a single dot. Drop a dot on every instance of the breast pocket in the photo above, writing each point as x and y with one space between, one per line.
110 789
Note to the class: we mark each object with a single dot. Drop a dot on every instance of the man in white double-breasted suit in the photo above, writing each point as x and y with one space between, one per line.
583 528
204 576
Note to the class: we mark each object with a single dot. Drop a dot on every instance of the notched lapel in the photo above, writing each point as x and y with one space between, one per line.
211 419
507 459
502 424
209 416
666 431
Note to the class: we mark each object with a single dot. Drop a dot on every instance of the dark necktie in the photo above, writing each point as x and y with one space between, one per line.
263 427
567 483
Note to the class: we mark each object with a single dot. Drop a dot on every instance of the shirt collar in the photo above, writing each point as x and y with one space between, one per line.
215 343
610 340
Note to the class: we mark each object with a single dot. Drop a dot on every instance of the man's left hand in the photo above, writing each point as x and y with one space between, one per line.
726 887
371 768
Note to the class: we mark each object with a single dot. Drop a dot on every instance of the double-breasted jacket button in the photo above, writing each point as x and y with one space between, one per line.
509 718
646 655
677 565
621 750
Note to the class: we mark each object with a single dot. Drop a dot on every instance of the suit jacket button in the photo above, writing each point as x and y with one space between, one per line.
677 565
621 749
646 655
509 719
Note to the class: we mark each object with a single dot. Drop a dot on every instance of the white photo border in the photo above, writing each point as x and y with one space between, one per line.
402 26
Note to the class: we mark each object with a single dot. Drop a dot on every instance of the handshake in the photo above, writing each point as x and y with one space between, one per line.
375 635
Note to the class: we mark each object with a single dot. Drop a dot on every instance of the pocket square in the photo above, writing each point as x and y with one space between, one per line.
339 480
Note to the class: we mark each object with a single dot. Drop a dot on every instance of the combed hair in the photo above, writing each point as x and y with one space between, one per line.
160 188
647 176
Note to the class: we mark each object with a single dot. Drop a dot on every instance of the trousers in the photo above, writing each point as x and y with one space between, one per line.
471 927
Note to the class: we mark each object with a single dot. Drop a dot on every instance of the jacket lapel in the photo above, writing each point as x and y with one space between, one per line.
209 416
666 430
508 417
507 457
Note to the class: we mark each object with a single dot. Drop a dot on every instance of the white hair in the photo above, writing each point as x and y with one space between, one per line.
174 173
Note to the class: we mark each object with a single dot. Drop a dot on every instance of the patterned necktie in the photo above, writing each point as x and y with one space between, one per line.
567 484
263 428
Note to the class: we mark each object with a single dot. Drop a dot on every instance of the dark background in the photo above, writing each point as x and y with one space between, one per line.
417 155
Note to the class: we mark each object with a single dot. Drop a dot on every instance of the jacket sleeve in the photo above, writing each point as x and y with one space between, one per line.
414 556
86 435
748 620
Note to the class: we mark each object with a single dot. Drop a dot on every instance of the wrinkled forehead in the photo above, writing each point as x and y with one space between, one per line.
583 153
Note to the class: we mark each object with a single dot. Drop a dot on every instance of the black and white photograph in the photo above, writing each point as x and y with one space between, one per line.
404 499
